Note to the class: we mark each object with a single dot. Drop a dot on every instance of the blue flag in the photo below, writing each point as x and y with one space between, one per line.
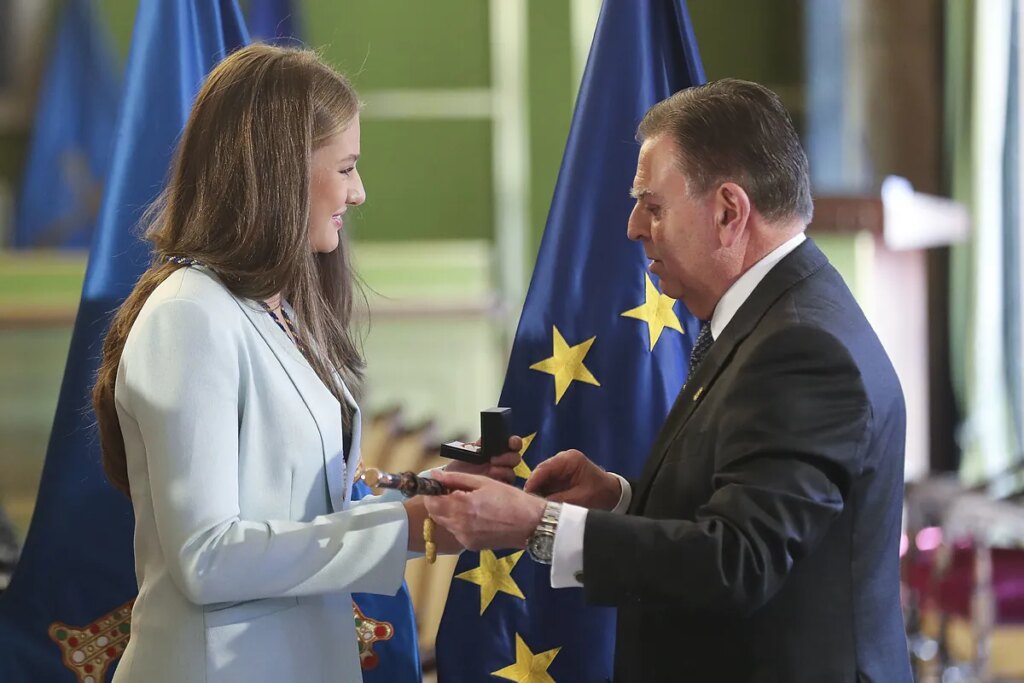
598 358
65 616
275 21
71 137
389 649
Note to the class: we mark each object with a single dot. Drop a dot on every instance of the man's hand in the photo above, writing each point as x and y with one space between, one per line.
484 514
570 477
443 539
500 467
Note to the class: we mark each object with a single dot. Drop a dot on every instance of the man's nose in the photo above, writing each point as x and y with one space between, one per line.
635 227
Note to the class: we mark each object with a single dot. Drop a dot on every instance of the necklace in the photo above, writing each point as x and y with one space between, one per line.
285 322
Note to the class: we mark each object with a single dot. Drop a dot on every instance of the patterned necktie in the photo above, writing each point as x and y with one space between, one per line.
700 348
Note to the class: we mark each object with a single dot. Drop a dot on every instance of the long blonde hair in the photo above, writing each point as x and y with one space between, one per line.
237 200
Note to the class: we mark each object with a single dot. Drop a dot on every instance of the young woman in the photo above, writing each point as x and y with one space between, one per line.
226 394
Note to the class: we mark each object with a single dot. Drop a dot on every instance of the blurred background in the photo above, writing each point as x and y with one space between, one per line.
910 115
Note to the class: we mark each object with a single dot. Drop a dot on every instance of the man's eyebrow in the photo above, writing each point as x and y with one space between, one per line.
642 193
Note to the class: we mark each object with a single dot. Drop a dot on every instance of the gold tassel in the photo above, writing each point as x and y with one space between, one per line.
429 547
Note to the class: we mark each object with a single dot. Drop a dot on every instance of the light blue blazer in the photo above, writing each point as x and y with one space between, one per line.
247 546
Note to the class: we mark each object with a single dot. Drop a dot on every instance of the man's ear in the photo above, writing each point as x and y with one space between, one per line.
732 211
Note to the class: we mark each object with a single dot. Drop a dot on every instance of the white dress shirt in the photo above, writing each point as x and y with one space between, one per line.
567 554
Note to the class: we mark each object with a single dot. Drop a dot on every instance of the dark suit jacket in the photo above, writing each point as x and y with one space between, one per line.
762 540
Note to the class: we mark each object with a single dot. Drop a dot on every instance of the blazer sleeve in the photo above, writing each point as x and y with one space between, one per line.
181 382
391 496
786 454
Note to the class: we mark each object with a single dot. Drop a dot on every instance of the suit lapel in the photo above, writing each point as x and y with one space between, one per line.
326 413
796 266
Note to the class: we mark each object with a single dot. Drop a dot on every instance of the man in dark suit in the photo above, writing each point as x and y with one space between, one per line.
761 542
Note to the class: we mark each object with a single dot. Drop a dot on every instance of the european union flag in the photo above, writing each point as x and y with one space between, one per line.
598 358
71 137
65 615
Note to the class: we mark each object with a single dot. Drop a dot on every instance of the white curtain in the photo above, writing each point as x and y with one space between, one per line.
983 120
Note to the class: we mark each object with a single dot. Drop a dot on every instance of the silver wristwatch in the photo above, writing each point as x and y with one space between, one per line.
541 545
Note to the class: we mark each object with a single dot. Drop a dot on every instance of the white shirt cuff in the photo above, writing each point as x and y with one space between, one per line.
625 498
567 553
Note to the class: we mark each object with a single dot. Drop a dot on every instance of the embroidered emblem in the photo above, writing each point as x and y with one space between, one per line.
88 651
369 632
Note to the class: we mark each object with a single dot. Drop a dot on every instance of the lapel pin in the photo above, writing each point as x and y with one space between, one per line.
696 395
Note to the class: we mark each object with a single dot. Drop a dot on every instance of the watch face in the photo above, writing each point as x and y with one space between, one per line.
542 546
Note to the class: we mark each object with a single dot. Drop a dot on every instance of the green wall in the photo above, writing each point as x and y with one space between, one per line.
426 179
552 96
385 44
432 179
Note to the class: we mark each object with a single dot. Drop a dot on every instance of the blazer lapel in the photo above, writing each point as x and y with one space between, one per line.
326 413
796 266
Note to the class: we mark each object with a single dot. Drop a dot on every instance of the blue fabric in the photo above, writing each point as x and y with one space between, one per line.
275 21
398 659
72 136
588 273
77 563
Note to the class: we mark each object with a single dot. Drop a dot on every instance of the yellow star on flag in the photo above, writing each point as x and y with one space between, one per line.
494 575
529 668
523 470
566 364
656 311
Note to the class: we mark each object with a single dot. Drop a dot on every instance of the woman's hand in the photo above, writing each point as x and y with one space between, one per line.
500 467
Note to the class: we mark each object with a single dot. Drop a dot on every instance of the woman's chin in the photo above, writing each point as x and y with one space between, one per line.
326 245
